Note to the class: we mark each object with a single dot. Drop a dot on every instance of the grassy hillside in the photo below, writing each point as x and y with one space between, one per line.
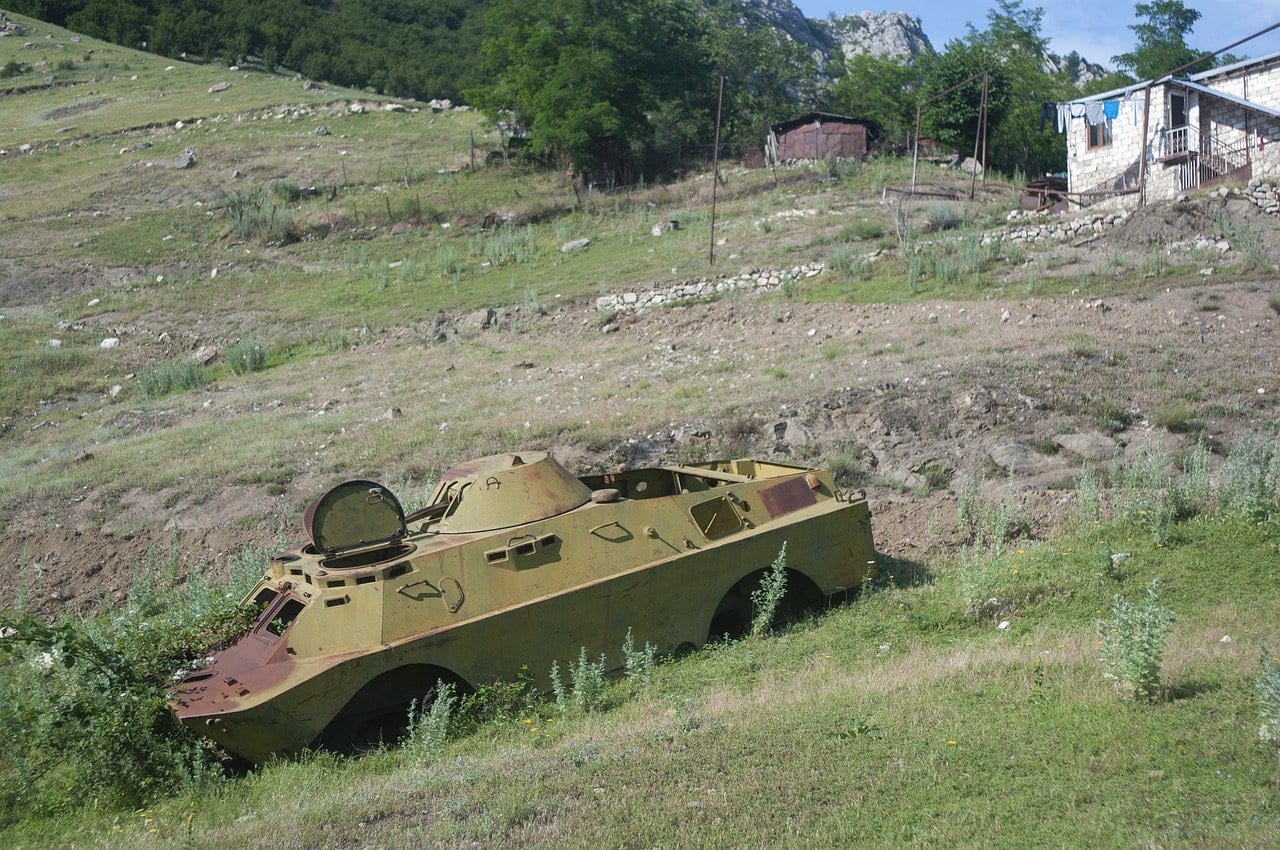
896 719
299 307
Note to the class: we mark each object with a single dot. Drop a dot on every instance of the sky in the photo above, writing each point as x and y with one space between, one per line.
1096 29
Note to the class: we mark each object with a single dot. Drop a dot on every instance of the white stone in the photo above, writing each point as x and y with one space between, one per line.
109 342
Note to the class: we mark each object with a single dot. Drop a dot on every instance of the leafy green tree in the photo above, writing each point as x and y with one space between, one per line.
1012 50
584 76
881 89
768 77
1162 31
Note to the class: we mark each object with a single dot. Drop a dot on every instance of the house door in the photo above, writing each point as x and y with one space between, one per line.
1178 141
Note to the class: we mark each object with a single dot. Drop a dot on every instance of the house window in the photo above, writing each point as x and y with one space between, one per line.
1099 134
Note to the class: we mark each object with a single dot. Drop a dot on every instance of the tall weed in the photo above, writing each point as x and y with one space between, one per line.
1133 643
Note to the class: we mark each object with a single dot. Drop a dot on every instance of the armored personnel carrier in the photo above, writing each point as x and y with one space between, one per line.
514 563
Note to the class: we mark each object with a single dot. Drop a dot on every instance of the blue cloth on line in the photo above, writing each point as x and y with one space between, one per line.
1111 108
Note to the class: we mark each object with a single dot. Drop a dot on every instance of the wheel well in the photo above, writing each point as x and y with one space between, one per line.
378 713
733 614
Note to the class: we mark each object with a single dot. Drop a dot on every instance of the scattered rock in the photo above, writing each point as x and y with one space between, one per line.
481 319
665 226
205 354
791 432
575 245
320 131
1088 445
310 85
55 343
217 87
1020 459
94 302
109 342
186 159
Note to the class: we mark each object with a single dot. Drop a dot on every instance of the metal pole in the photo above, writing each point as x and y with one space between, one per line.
986 110
915 156
715 174
977 137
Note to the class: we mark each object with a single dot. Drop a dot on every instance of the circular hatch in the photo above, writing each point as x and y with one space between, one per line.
353 515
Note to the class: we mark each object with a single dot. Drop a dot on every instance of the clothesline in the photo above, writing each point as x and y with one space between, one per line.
1093 112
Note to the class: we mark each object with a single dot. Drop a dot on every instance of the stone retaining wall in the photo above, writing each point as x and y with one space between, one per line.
757 280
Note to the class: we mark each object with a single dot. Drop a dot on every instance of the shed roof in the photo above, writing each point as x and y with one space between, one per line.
801 120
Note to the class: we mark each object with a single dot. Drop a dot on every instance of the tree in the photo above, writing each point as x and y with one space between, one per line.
583 76
881 89
1162 30
1012 50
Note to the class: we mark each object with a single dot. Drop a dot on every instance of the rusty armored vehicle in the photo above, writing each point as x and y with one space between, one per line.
515 563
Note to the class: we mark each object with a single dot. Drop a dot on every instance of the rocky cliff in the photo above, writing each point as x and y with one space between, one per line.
893 34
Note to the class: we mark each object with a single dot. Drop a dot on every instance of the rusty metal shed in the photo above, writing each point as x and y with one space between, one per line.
815 136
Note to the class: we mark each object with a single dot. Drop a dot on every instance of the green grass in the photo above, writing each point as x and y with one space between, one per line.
892 720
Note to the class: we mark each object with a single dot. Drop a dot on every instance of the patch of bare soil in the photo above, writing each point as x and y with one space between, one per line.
77 108
912 399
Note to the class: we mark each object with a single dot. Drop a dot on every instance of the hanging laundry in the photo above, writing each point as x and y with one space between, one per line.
1049 114
1076 110
1111 109
1093 113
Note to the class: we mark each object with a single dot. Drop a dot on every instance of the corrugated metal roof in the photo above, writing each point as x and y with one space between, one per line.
1230 98
1203 75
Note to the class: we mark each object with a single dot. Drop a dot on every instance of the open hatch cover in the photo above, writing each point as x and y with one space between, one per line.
354 515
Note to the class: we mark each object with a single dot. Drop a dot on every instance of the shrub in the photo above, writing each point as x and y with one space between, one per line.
253 215
1089 496
84 702
942 217
587 689
13 68
448 261
843 258
429 730
766 597
167 378
861 230
1133 643
638 662
990 522
1251 480
1177 417
1109 415
285 189
848 466
247 355
980 574
510 244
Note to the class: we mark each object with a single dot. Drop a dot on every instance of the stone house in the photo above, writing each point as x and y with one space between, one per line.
815 136
1205 128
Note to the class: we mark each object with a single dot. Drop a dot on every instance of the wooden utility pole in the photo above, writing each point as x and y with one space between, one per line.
715 174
